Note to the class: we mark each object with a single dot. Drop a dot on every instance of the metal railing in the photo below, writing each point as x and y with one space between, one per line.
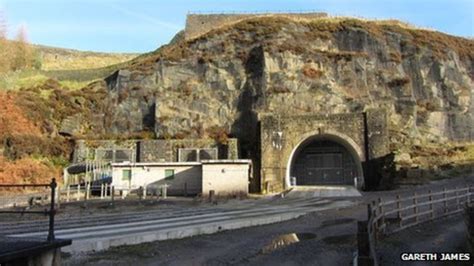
391 216
107 192
52 209
86 191
256 12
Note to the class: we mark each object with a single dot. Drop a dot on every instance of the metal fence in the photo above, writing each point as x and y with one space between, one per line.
87 171
254 12
86 191
51 212
107 192
391 216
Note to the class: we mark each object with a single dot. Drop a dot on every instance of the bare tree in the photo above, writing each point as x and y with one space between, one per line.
5 55
23 56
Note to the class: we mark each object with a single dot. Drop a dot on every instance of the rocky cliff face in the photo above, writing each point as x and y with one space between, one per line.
222 80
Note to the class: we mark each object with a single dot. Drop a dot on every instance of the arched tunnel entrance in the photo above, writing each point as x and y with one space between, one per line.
324 160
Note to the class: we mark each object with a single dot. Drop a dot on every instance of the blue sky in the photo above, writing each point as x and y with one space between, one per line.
144 25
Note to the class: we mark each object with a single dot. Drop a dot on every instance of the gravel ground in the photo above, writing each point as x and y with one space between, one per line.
334 242
443 235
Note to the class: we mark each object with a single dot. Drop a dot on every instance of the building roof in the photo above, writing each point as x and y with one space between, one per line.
132 164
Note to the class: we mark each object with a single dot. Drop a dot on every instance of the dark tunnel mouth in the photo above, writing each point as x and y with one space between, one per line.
338 163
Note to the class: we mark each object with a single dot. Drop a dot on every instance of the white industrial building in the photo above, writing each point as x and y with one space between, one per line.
225 177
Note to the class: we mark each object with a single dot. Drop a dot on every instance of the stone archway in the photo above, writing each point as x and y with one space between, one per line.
330 158
363 136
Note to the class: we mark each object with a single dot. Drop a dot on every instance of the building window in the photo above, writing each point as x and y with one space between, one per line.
115 155
126 175
169 174
196 155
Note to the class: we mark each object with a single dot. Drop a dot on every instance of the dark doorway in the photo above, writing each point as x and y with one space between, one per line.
323 162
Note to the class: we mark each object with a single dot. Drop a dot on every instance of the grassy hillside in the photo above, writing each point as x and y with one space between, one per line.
72 68
33 102
53 58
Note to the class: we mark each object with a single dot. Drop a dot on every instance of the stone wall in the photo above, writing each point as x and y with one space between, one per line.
167 150
86 149
365 133
198 24
154 150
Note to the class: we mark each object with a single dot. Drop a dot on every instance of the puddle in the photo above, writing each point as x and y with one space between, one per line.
286 240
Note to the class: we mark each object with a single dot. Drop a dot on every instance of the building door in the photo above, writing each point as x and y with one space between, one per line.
127 177
323 168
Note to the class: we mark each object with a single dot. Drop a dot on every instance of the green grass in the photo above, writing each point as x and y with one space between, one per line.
53 58
32 78
83 75
18 79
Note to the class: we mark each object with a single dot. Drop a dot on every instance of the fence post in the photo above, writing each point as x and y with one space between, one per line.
430 198
363 243
102 191
140 193
106 190
399 212
445 196
164 191
369 211
374 215
78 196
52 211
415 208
68 192
212 194
86 191
58 193
112 194
382 218
144 191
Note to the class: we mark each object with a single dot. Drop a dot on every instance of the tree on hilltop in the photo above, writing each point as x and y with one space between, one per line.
23 54
5 55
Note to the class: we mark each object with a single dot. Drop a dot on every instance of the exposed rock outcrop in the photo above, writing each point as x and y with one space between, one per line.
225 78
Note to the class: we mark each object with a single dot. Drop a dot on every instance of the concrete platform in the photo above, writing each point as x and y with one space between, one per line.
323 192
188 223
